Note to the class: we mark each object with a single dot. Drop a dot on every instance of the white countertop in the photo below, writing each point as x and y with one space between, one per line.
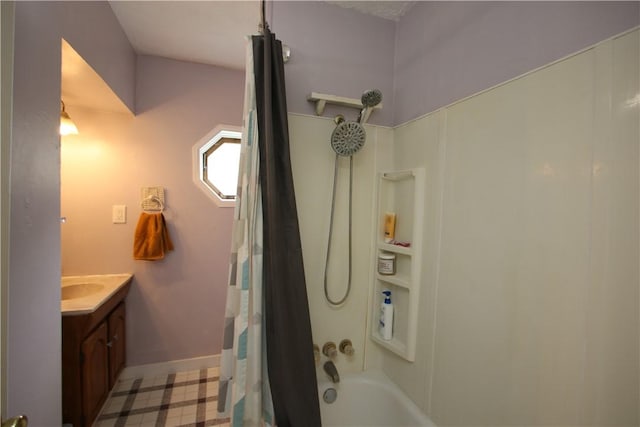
110 284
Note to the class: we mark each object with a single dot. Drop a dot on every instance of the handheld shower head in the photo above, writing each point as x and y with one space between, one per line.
369 99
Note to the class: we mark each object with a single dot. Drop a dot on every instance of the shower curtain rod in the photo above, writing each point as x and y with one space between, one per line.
263 22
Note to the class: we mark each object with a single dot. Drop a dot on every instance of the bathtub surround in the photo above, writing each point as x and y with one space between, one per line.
531 306
529 302
543 37
312 162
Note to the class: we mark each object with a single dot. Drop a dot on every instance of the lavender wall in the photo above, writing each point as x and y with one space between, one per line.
33 319
175 308
336 51
438 53
446 51
110 54
33 325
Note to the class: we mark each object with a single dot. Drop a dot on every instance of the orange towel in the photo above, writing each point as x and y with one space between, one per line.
151 239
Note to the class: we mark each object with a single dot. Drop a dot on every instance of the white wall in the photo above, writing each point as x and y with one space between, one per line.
312 160
531 245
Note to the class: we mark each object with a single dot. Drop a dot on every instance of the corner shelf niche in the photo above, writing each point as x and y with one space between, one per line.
400 192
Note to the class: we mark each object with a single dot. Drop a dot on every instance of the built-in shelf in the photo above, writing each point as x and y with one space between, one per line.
393 344
394 280
400 192
395 249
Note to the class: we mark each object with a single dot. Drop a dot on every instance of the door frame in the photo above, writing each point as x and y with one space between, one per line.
7 19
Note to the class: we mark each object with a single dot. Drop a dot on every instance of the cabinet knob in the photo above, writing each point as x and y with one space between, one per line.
115 337
110 344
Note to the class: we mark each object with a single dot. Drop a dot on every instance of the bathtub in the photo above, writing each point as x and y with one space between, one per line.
369 399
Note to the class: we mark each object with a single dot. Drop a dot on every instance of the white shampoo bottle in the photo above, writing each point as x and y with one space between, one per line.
386 316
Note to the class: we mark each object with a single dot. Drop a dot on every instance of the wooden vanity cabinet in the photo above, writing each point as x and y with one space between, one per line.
94 367
93 355
117 344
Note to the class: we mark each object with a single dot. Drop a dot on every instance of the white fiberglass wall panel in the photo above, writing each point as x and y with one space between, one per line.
312 160
515 251
611 391
417 145
537 297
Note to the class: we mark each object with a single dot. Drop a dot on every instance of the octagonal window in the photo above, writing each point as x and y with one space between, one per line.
220 167
218 159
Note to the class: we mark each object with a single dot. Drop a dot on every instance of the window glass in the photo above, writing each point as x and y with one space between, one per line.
221 167
216 161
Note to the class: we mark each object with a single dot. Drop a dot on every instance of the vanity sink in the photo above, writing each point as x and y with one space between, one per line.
80 290
93 342
85 294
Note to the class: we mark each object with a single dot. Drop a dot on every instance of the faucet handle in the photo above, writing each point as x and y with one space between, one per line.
19 421
346 347
329 350
316 353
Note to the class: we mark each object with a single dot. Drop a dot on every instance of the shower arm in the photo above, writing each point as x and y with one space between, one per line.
322 99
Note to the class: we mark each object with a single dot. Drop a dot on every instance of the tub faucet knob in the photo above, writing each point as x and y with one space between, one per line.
316 353
346 347
329 350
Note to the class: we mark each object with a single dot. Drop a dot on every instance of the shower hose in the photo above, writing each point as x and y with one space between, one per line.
333 204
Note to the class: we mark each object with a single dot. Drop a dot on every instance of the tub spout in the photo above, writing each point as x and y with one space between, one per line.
332 371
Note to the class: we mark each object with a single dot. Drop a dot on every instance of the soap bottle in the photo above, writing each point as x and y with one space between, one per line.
386 316
389 227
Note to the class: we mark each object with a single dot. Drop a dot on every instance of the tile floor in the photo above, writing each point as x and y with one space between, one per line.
185 399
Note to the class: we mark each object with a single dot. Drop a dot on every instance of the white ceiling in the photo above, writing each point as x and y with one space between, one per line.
210 32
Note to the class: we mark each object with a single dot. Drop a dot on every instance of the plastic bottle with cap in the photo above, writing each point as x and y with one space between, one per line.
386 316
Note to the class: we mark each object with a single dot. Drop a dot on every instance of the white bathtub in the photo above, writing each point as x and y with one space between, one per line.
369 399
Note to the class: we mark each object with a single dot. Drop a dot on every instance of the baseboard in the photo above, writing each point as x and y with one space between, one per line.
170 367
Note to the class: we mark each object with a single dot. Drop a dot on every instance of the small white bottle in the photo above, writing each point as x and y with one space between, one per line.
386 316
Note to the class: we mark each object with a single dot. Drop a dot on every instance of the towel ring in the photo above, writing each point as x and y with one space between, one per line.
154 199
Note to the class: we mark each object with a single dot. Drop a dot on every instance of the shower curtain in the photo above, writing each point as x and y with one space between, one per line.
267 373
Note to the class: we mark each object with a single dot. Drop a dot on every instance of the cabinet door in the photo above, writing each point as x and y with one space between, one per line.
95 378
117 343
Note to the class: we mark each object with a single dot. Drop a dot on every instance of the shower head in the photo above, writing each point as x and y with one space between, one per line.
348 138
370 99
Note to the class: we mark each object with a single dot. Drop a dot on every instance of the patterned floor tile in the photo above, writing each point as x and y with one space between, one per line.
182 399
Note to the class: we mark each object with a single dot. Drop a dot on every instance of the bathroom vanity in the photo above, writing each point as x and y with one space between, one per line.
93 342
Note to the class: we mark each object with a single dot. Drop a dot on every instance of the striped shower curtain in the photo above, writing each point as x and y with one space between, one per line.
267 371
244 393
